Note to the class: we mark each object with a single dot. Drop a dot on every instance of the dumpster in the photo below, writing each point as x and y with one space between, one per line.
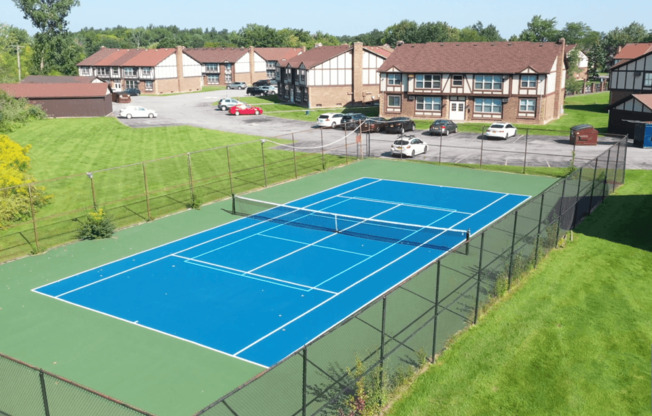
583 135
643 135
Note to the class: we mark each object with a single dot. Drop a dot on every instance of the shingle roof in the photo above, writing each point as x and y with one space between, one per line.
473 57
48 79
278 54
384 51
645 99
127 57
216 55
633 50
56 90
317 55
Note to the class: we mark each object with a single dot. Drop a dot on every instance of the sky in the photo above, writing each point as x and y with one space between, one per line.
343 17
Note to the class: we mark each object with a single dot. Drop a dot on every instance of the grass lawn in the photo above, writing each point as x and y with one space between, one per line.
578 109
573 338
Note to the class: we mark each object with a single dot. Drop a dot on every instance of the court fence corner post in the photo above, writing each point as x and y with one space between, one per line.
477 290
44 393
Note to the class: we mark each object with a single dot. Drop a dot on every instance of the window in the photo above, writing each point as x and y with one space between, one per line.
227 68
394 79
489 105
213 79
149 85
457 80
131 83
212 67
115 72
528 81
85 71
227 78
647 80
488 82
129 72
527 105
428 81
117 86
102 70
429 103
394 101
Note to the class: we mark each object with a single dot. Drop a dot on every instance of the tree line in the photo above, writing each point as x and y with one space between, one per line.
53 50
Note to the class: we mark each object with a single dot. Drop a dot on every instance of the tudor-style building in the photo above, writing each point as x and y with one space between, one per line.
332 76
152 71
519 82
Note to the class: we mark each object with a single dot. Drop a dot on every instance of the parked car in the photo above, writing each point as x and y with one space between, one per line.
352 121
373 124
269 89
500 131
443 127
253 90
262 90
408 145
331 120
245 109
399 125
131 91
226 103
236 86
265 82
133 111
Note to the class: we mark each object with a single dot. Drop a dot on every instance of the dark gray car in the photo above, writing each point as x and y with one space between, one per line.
443 127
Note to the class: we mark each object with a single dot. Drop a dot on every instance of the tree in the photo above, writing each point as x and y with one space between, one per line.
572 83
540 30
49 17
405 30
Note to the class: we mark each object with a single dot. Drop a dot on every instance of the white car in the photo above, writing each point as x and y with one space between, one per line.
133 111
500 131
226 103
331 120
408 146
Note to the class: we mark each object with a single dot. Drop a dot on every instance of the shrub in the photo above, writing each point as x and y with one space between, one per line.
15 112
96 224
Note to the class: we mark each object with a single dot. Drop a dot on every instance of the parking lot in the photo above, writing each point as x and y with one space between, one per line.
534 150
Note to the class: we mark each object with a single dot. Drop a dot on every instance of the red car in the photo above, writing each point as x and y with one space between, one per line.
245 109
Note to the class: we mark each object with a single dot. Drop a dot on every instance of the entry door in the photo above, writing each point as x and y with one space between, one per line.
457 110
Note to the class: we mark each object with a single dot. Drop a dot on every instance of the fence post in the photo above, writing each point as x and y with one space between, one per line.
228 164
481 150
606 175
294 155
304 398
382 350
440 147
90 176
511 253
595 173
577 198
262 152
434 329
561 211
31 207
44 393
323 163
346 148
192 187
527 134
613 188
536 247
149 214
477 290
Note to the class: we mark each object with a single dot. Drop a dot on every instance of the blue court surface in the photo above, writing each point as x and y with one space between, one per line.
258 290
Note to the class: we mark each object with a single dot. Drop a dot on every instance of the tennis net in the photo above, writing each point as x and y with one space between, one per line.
369 228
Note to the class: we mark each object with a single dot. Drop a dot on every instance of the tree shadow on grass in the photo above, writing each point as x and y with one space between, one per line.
625 219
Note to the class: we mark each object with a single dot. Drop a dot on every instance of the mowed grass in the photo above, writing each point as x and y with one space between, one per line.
573 338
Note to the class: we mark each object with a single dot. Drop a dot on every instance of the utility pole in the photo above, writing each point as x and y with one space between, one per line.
18 59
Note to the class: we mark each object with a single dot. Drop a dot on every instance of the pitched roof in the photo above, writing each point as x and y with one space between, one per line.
47 79
216 55
473 57
383 51
633 50
56 90
278 54
317 55
645 99
127 57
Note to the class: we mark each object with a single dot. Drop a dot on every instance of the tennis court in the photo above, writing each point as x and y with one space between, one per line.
262 286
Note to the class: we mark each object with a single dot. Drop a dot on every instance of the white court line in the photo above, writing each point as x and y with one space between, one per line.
244 272
426 207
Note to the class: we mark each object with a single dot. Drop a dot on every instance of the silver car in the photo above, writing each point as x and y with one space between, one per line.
236 86
226 103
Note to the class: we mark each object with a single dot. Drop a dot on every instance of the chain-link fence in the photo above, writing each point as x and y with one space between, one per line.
29 391
146 190
355 363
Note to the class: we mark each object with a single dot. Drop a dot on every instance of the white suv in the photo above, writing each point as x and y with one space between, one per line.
330 120
226 103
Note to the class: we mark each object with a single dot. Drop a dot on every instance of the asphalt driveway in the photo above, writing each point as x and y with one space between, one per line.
198 110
